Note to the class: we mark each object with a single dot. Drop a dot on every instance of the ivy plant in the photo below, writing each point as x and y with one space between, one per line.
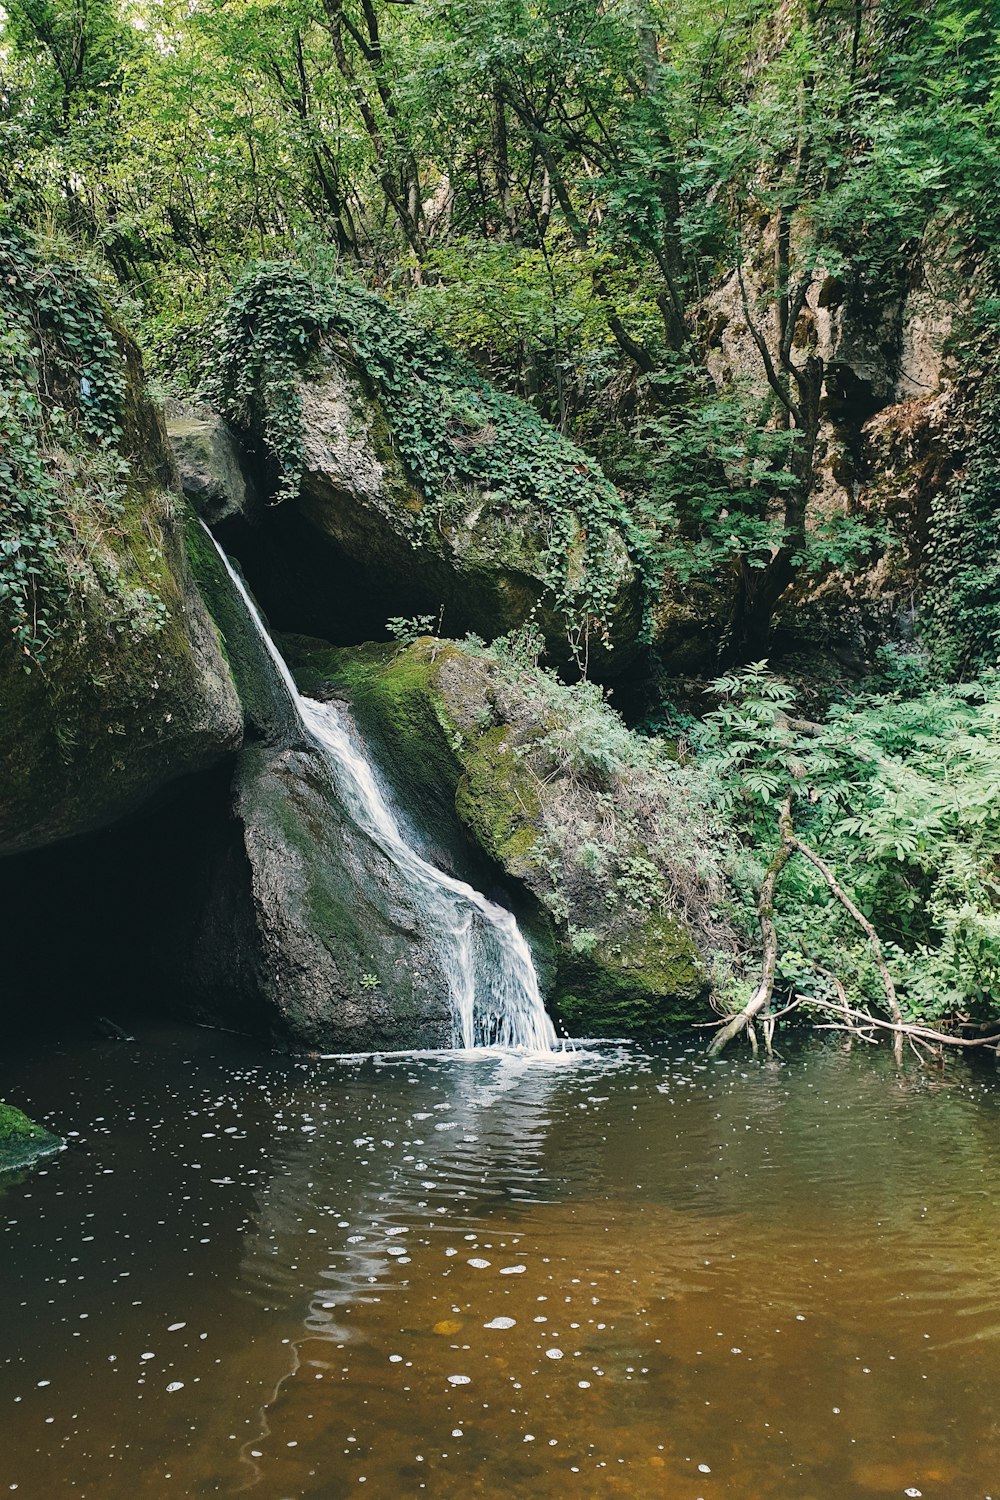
61 395
450 427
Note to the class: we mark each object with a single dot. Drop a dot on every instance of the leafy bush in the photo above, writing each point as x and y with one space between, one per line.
901 797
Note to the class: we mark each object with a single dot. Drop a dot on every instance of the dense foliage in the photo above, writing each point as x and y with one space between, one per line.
561 189
901 797
61 392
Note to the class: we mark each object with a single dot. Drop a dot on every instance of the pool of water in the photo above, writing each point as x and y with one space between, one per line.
622 1272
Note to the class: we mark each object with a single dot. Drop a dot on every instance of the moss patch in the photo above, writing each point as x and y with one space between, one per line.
22 1141
497 800
644 986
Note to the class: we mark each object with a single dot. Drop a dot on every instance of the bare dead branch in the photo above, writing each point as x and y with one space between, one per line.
765 915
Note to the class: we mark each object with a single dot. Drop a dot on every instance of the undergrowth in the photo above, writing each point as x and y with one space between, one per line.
621 816
900 796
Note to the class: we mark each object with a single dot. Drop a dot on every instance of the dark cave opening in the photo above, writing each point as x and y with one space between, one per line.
118 923
305 585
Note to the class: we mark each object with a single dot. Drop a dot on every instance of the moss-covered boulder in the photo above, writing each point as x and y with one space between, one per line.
605 836
22 1141
438 491
112 680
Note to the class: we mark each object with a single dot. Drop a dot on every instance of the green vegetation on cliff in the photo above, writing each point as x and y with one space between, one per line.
111 678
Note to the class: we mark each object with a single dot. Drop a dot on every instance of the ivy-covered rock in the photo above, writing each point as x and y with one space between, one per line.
605 837
22 1141
440 490
112 680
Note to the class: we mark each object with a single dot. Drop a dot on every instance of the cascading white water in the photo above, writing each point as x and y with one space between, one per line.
485 960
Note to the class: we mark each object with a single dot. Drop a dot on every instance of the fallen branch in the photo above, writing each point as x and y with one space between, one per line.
891 1000
910 1029
761 996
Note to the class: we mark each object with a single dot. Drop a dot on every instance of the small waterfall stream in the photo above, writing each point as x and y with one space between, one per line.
485 960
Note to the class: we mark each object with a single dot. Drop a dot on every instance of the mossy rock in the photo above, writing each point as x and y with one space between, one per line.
136 691
336 948
440 490
466 749
208 461
645 986
22 1141
482 560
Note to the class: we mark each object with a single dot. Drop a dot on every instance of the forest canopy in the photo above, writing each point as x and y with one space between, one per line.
555 187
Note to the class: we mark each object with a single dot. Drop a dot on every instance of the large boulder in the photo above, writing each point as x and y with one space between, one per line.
112 680
604 838
398 476
162 808
342 956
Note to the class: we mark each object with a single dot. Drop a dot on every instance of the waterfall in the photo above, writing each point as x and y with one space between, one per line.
485 960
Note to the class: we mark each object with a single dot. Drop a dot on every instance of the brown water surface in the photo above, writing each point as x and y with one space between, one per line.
621 1273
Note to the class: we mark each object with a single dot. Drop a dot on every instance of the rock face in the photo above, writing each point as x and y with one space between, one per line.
297 914
209 463
481 755
137 694
482 561
890 439
410 487
21 1141
341 955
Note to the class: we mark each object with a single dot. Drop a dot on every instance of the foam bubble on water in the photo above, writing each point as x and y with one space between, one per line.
512 1270
459 1380
501 1323
176 1385
553 1354
479 1263
175 1327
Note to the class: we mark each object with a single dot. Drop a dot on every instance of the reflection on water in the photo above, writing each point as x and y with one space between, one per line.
604 1273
